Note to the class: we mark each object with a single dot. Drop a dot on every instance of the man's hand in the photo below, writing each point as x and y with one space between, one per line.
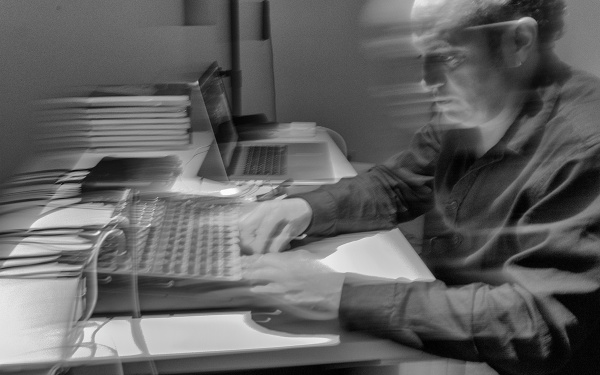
296 282
271 225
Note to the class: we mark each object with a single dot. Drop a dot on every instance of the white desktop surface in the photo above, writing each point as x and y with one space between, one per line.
233 340
184 335
36 316
166 337
381 254
203 341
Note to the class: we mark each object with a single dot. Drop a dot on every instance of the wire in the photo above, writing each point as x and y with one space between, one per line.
91 278
138 336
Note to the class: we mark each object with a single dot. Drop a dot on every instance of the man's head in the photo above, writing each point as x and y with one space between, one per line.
466 13
479 55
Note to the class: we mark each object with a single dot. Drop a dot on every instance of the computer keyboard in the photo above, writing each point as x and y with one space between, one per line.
266 160
178 237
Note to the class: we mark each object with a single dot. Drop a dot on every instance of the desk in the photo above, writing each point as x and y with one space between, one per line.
327 344
352 349
265 338
261 340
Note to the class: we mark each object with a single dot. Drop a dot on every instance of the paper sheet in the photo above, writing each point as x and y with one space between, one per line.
385 254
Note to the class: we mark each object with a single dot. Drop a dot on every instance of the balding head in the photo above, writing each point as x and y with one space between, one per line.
428 15
440 14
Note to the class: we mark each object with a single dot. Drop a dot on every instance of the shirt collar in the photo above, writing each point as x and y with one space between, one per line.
538 108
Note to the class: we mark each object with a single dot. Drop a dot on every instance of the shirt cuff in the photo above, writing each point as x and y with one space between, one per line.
323 212
371 307
366 305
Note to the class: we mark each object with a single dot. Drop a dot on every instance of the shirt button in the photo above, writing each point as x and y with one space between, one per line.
457 239
435 246
451 208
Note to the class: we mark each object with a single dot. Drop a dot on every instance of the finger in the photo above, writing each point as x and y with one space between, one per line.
283 294
247 238
279 260
271 289
266 223
303 312
248 211
263 274
281 240
249 221
267 231
266 272
255 242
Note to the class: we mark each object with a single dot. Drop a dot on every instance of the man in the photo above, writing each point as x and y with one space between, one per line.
511 158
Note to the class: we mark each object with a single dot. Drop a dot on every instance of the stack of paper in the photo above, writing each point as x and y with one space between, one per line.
116 122
44 254
32 189
58 243
386 254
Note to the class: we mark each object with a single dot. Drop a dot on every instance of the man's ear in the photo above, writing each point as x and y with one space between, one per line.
520 41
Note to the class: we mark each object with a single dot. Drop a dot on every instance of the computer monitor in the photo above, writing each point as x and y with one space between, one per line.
219 111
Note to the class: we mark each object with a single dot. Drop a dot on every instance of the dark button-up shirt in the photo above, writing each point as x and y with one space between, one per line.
518 281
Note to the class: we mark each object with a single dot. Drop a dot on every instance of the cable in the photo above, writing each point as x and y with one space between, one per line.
91 278
136 329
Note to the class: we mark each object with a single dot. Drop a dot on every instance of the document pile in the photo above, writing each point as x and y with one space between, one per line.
47 279
60 242
36 188
131 118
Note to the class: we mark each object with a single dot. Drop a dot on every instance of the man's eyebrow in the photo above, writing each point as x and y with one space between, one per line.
430 42
493 24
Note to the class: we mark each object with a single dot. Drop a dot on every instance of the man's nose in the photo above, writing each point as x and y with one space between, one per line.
430 88
433 75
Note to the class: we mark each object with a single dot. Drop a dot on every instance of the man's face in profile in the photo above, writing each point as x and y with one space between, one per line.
467 80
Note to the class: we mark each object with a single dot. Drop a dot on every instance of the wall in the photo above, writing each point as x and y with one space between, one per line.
322 71
54 47
580 46
324 74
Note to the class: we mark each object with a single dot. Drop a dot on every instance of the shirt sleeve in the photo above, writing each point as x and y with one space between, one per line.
543 312
398 190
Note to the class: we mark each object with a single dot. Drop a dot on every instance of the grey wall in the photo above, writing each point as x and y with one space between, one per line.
323 74
580 46
50 48
60 47
321 70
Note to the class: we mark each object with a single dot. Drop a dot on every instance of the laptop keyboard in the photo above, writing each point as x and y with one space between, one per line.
266 160
180 238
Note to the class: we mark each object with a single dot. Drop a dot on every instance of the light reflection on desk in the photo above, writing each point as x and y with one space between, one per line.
182 335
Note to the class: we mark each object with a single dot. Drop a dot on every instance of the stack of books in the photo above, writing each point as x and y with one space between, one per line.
54 241
44 255
47 278
114 118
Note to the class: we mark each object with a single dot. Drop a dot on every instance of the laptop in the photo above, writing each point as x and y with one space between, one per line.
304 160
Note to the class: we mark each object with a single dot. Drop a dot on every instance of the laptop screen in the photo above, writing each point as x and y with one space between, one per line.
219 111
